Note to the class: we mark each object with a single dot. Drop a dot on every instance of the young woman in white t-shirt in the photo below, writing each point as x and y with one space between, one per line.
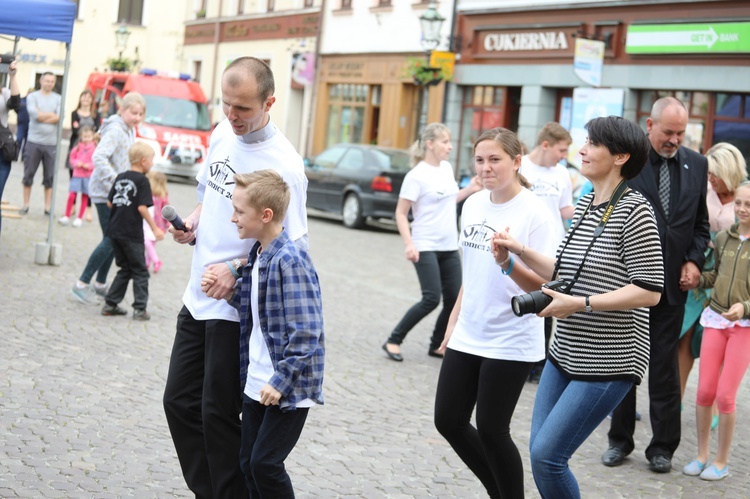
430 191
489 351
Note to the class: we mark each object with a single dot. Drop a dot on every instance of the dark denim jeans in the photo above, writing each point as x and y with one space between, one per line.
131 258
268 436
101 259
4 173
439 273
566 412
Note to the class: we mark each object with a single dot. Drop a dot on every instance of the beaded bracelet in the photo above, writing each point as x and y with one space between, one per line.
232 269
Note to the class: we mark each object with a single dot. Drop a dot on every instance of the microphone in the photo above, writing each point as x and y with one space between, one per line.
170 215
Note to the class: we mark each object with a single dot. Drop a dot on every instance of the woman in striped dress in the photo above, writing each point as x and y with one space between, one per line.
612 257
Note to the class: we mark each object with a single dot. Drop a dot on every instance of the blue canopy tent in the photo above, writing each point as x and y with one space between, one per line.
47 20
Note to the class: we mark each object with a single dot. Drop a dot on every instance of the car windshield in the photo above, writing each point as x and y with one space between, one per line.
177 113
391 160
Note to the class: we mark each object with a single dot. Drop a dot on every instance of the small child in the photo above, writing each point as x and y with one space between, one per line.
129 200
158 183
81 159
725 348
279 385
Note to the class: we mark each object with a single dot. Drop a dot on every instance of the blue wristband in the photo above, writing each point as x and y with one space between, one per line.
510 267
232 269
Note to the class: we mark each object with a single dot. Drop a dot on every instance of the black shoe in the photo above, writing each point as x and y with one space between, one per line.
660 464
435 353
393 356
613 457
108 309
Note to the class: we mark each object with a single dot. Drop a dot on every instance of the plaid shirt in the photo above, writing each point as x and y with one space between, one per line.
291 319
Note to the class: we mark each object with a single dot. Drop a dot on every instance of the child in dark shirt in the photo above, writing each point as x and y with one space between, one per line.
129 200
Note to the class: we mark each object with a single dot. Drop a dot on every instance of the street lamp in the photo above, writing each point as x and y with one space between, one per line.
432 22
121 38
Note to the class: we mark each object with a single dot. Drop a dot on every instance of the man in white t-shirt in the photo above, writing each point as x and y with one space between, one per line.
551 183
203 395
550 180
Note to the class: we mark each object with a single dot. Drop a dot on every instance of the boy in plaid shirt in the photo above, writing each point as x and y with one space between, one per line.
281 333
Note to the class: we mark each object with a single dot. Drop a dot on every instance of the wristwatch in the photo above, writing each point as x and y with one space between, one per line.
588 306
237 264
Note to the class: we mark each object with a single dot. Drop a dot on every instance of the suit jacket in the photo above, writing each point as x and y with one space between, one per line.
685 235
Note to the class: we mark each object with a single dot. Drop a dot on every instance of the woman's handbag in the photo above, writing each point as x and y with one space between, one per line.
8 146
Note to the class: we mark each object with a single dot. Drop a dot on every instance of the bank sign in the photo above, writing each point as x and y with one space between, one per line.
704 38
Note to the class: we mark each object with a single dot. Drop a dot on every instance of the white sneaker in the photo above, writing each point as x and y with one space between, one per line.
77 222
64 221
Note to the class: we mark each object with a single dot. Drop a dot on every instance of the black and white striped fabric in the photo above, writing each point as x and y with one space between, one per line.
609 345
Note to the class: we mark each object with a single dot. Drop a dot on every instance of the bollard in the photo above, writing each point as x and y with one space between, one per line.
55 256
41 253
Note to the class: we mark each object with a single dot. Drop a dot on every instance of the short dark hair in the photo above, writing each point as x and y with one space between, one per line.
621 136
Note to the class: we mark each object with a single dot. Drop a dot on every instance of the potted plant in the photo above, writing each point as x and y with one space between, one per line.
119 64
423 74
200 14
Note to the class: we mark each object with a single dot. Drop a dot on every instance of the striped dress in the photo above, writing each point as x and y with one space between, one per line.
611 345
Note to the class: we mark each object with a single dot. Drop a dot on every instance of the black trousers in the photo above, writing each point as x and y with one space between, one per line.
130 257
202 402
493 386
268 436
665 322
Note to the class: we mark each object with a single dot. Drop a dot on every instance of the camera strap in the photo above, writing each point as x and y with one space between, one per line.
620 190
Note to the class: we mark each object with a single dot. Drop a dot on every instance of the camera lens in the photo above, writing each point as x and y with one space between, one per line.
530 303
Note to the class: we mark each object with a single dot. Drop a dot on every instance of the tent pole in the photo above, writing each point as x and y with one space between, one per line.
55 255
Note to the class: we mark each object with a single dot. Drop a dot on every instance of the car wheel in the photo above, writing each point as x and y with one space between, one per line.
352 212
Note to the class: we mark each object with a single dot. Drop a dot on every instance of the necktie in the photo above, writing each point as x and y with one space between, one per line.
664 186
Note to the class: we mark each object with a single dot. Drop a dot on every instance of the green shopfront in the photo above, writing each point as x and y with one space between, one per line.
516 66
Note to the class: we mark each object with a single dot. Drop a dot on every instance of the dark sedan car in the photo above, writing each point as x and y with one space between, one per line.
356 181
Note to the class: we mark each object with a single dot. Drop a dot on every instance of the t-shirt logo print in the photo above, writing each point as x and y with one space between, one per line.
478 236
125 192
221 178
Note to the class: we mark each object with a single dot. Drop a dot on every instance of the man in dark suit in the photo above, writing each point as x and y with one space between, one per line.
674 182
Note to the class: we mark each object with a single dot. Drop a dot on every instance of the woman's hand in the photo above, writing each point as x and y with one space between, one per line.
562 305
269 395
502 243
411 253
735 312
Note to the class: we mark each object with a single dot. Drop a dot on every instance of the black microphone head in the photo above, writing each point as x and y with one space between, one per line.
168 212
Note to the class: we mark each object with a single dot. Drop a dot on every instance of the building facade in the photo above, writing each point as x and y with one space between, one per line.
155 41
364 91
517 60
283 33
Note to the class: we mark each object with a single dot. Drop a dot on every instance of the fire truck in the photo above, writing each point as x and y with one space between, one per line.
176 124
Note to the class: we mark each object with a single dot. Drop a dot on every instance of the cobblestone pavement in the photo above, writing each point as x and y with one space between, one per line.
80 395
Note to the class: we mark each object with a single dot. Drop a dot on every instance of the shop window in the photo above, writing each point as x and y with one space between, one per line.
131 12
347 109
484 107
732 121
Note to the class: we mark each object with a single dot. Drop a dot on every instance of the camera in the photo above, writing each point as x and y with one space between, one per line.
536 301
5 60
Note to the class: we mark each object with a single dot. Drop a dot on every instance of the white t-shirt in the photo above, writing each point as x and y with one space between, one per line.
486 325
217 239
432 191
260 366
553 186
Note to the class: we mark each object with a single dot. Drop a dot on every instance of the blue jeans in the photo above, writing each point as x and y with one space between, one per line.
566 412
4 173
101 259
439 272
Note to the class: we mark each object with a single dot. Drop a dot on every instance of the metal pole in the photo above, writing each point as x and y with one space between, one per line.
58 150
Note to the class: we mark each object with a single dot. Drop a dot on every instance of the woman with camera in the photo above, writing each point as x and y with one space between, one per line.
610 265
490 351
